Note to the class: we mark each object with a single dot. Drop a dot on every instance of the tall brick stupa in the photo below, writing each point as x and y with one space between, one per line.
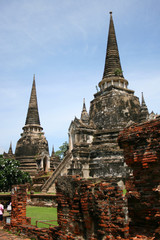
93 142
93 148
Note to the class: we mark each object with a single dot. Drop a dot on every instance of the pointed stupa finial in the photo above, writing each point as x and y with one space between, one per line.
144 110
84 114
33 115
10 152
113 74
52 151
84 105
142 102
112 62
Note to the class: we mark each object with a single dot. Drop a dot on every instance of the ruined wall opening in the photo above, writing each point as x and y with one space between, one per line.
45 164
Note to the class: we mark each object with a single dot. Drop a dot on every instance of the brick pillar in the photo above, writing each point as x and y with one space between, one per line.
19 201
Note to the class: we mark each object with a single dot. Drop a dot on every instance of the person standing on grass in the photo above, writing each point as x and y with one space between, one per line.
1 212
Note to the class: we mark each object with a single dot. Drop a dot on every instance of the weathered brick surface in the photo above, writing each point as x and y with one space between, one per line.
141 144
95 209
91 209
34 232
19 201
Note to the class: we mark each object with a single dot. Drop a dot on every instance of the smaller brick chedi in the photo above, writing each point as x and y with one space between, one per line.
32 148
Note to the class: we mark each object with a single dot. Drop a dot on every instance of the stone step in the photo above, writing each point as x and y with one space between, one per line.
37 185
28 167
27 161
28 164
28 170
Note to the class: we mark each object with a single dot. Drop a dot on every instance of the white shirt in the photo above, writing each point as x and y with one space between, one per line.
1 209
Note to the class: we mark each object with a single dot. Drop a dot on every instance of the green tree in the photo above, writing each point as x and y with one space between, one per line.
10 174
62 150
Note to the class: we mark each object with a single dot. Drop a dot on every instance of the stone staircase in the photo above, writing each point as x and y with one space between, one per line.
39 180
49 185
28 164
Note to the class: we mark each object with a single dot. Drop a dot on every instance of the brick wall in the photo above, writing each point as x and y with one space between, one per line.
141 144
91 209
96 209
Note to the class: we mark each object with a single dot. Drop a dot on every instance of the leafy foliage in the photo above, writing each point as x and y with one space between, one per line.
10 174
62 150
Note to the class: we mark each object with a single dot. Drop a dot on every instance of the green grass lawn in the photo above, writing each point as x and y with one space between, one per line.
6 193
42 213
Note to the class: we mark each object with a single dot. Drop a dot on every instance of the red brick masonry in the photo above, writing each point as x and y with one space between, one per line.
95 209
19 201
91 209
141 144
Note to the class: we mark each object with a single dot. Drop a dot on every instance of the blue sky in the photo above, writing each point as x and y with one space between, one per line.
63 42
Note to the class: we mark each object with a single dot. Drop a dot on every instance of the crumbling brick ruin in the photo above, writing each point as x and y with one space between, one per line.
91 209
141 144
98 209
19 202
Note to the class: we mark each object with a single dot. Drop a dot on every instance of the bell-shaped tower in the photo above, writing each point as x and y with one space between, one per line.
112 108
32 148
114 105
93 147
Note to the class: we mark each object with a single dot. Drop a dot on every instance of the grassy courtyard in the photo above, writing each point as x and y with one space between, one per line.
42 213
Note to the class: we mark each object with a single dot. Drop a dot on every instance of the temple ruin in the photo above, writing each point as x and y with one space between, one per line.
32 148
98 208
93 138
108 184
93 148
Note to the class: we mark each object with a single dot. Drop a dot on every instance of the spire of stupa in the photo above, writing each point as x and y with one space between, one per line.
112 61
144 110
113 74
10 152
53 152
143 102
33 115
84 113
